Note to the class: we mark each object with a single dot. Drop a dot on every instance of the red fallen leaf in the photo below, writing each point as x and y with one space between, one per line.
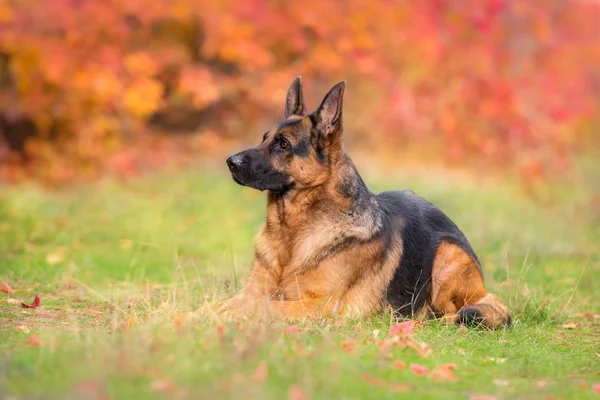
444 373
35 304
33 341
373 381
291 330
596 388
296 393
399 364
348 346
419 369
405 328
5 288
399 387
261 373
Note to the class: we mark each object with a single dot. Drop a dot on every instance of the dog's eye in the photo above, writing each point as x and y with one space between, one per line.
284 144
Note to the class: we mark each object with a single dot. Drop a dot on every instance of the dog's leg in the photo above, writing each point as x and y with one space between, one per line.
458 292
261 283
292 309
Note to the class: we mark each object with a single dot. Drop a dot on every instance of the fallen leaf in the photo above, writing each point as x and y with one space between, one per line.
291 330
54 258
582 385
596 388
22 328
5 288
571 325
12 301
422 349
376 333
178 323
90 390
35 304
462 351
33 341
163 386
296 393
419 369
402 328
500 382
399 364
541 384
598 354
126 244
373 380
261 373
399 387
348 346
483 397
444 373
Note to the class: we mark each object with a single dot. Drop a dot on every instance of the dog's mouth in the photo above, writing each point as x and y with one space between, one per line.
237 180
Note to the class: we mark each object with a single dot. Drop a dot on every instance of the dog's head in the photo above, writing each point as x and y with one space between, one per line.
297 152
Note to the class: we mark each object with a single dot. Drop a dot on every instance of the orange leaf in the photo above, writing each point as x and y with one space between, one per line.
6 288
35 304
399 364
348 346
399 387
402 328
163 386
419 369
261 373
296 393
373 380
444 373
33 341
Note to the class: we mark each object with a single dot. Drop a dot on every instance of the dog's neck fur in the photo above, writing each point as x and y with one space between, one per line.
349 205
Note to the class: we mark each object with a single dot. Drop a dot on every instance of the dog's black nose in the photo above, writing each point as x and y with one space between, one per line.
235 162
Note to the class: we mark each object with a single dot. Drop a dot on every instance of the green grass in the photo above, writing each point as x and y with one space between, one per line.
115 266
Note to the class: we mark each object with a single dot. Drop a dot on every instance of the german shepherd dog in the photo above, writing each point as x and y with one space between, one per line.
331 247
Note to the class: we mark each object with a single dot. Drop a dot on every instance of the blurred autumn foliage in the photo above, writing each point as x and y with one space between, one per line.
88 86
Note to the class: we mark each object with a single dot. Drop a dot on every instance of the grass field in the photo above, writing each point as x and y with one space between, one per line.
118 266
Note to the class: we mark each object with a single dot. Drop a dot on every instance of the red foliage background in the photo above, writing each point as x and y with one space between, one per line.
93 85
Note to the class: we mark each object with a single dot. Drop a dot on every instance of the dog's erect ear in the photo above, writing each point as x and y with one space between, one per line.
328 117
294 101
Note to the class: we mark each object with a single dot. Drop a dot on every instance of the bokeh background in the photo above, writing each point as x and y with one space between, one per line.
90 87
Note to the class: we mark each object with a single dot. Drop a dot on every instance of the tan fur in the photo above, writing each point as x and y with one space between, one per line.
457 283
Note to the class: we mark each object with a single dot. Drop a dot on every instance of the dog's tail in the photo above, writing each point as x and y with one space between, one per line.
489 311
